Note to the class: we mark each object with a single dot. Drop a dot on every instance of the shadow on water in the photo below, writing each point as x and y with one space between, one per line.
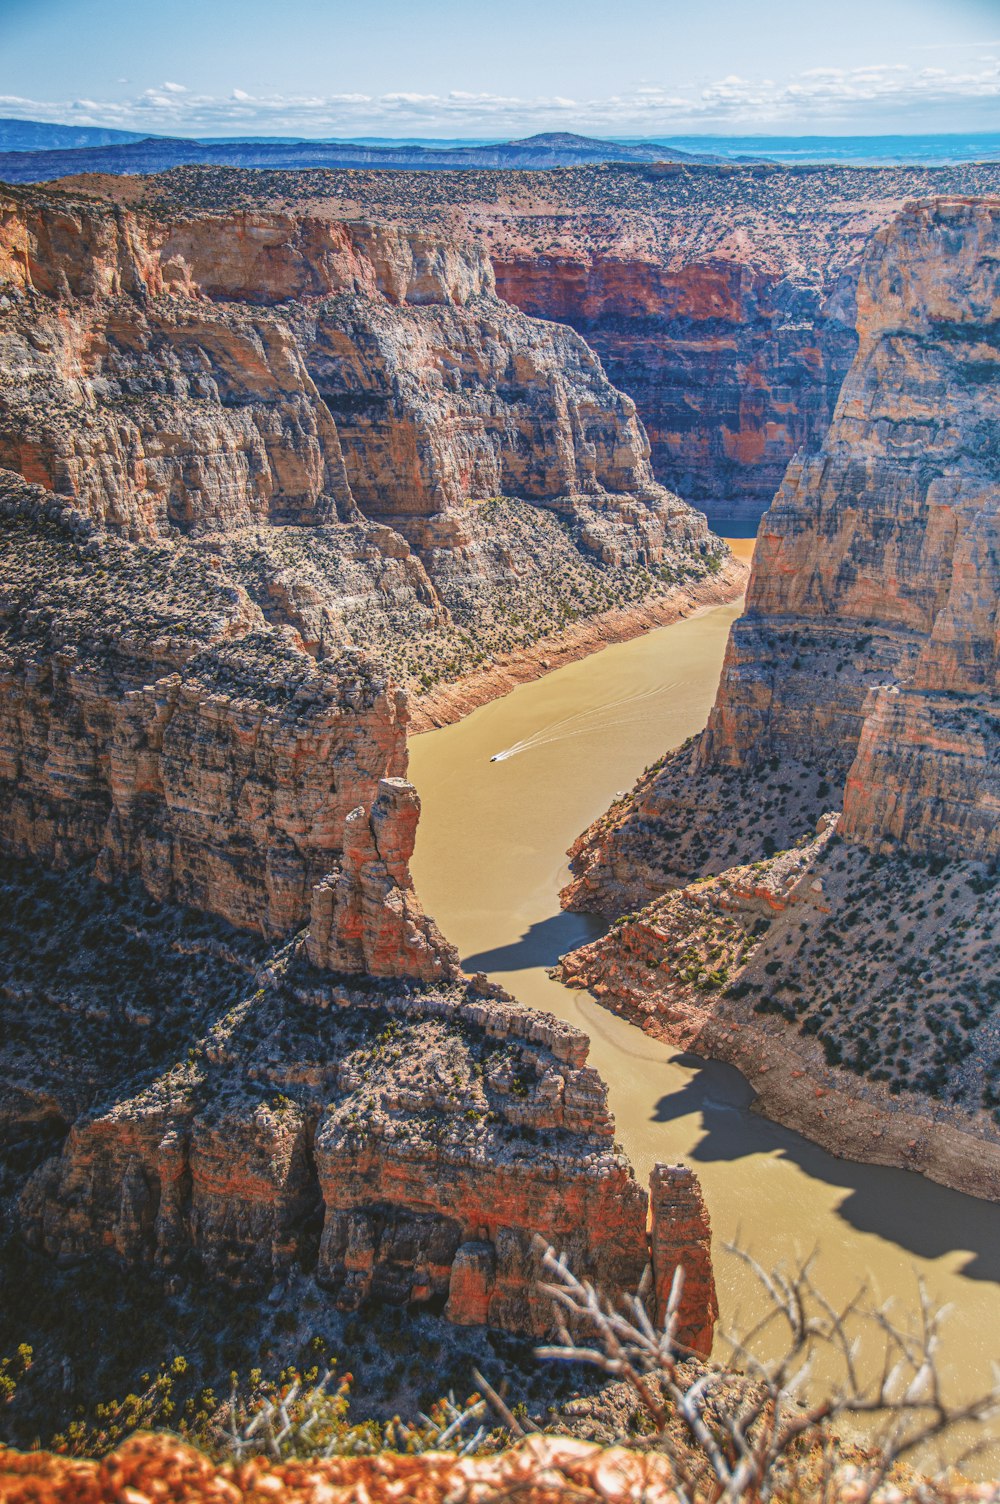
906 1209
898 1205
540 946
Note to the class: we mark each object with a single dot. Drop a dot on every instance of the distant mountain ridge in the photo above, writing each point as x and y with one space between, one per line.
159 153
41 135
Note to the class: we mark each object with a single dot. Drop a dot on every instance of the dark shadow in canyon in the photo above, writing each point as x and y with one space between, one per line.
899 1206
541 944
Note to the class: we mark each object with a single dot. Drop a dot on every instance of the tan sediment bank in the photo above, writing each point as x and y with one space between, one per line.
867 1126
451 702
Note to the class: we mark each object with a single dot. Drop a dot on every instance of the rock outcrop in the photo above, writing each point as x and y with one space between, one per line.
366 916
864 674
188 719
538 1470
865 665
213 1102
292 394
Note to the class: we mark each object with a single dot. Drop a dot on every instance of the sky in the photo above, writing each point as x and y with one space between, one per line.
458 68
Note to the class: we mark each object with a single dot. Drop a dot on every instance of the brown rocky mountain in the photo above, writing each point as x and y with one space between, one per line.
721 299
234 1044
863 675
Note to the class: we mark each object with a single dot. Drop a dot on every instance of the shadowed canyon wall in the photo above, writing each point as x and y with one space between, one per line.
863 676
187 721
734 368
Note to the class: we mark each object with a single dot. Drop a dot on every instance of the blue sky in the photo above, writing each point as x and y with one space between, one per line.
510 67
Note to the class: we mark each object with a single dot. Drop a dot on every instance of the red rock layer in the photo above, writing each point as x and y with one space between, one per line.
876 566
539 1470
733 367
542 1470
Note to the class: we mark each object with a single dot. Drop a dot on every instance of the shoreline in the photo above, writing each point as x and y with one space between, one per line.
790 1091
452 702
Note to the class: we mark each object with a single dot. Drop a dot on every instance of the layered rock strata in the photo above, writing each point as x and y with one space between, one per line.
864 673
733 366
292 394
864 667
230 370
260 1120
721 299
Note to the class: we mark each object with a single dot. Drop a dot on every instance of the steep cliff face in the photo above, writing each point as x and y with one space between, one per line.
144 378
863 674
874 567
437 406
292 393
153 723
734 367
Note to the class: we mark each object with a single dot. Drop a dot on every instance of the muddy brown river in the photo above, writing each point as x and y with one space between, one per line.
489 863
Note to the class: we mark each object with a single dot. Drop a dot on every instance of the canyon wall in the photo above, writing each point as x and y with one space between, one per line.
153 723
230 370
720 299
733 367
849 971
196 737
293 394
864 667
400 1134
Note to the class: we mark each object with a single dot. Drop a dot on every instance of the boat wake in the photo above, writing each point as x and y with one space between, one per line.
586 722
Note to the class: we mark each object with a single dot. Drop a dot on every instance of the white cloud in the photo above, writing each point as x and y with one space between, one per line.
844 99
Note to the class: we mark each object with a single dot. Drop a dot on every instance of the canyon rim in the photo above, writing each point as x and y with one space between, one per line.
311 445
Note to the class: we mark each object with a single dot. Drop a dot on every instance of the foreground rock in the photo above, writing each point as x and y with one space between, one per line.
542 1470
864 672
399 1142
539 1470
